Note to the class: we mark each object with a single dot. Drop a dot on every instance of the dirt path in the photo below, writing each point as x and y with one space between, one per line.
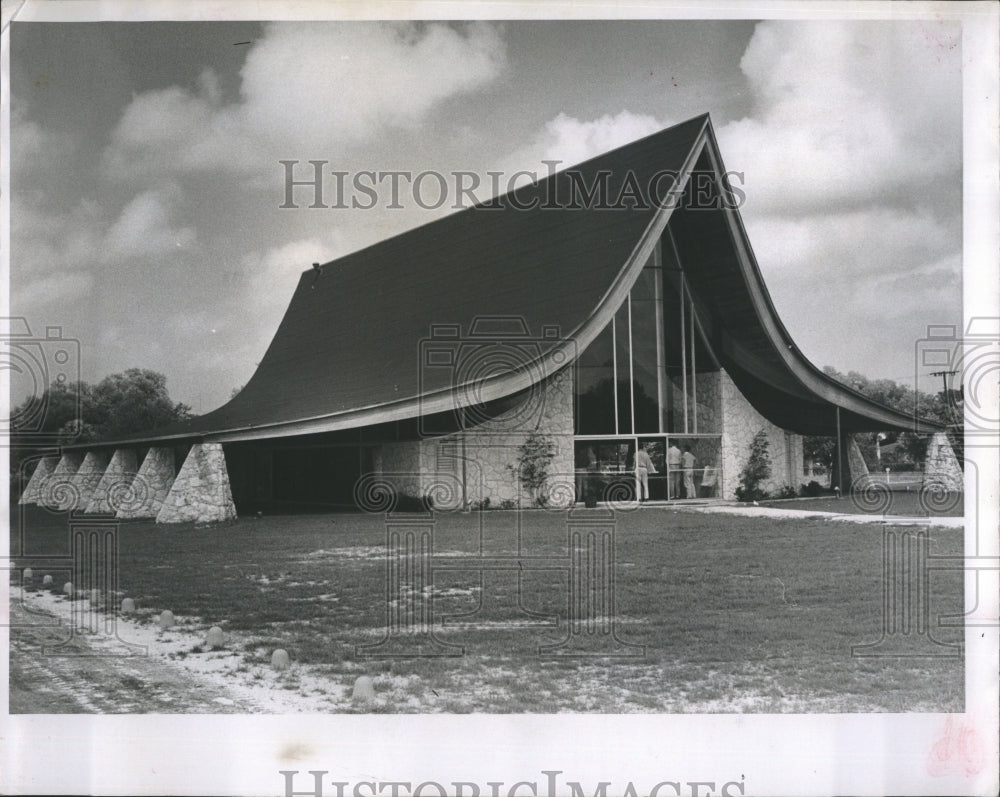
55 672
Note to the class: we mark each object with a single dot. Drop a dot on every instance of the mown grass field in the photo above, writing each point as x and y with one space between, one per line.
732 613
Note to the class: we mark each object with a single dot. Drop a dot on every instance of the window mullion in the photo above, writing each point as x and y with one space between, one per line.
661 363
684 368
631 375
614 367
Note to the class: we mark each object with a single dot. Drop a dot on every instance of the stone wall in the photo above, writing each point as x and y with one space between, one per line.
740 423
88 476
796 460
114 487
492 448
857 469
941 465
444 468
708 397
489 451
399 463
150 486
482 456
201 491
58 491
33 489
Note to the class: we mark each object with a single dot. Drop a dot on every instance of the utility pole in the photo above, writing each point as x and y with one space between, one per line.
944 386
944 380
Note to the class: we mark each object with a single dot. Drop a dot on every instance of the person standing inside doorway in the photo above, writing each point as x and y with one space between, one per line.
674 471
688 460
643 467
591 487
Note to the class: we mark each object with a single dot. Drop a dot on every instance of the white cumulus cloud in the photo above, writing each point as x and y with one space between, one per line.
570 140
305 86
851 154
144 226
844 112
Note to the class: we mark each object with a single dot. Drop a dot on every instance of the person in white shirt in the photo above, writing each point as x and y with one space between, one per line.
674 470
643 467
688 461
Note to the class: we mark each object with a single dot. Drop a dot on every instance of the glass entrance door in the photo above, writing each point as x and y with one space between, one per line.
656 448
684 467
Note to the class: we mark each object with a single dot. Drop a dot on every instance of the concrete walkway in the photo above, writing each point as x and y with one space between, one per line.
767 511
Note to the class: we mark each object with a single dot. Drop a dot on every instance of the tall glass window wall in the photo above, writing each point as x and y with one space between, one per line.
650 381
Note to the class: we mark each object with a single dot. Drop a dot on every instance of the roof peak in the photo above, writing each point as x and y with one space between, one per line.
496 201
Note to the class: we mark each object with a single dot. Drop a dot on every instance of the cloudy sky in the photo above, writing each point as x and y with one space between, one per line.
146 180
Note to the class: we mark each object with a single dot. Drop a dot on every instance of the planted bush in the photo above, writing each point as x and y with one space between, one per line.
812 490
535 455
756 471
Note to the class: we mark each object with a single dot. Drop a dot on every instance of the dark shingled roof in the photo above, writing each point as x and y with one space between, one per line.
348 350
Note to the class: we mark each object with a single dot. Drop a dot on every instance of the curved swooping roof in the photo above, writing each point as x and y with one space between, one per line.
555 261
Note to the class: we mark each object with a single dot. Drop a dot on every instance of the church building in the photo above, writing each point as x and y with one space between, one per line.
516 353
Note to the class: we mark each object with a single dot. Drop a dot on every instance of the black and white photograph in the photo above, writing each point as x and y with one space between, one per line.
492 399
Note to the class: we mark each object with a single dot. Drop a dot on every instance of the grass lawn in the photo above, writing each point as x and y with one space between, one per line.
907 503
734 613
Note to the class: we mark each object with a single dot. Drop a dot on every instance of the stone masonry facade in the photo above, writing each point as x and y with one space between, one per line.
857 469
150 486
33 489
486 456
86 479
740 423
58 490
201 491
708 400
116 482
941 466
493 447
400 463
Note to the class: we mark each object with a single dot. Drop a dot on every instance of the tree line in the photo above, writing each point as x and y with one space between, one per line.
135 400
911 448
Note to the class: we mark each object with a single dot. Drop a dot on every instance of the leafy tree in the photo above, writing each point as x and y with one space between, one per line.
119 405
819 449
77 431
59 405
133 401
912 447
756 471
